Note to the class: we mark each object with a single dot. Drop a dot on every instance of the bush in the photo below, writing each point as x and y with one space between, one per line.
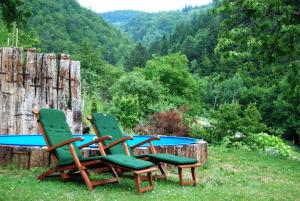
164 123
233 122
148 92
126 109
269 144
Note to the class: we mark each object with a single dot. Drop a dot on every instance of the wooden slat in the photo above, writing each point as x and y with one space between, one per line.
31 90
76 102
1 83
18 92
6 92
64 62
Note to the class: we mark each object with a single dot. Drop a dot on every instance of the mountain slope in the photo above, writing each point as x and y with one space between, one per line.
147 27
63 26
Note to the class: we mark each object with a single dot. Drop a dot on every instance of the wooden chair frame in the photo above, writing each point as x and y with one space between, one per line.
152 150
138 178
82 167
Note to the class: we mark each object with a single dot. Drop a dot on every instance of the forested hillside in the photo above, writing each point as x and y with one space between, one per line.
229 74
64 26
146 27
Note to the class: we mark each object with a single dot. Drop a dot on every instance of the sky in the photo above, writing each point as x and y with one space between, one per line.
101 6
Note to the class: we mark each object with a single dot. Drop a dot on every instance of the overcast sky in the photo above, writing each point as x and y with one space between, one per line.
142 5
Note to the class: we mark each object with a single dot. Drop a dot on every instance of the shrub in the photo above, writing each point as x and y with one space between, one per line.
227 121
233 122
148 92
164 123
269 144
126 109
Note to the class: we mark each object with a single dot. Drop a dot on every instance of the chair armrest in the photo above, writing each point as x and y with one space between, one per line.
118 142
145 141
64 143
97 140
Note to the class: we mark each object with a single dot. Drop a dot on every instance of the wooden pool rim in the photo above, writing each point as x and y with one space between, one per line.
32 156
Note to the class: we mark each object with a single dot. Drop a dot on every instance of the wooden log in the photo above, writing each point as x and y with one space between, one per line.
76 104
31 90
21 157
1 82
18 92
52 83
5 155
64 62
39 158
47 74
7 92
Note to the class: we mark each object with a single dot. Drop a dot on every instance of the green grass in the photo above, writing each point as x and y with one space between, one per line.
228 175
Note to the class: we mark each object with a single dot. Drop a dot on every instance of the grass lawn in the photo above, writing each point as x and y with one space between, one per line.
228 175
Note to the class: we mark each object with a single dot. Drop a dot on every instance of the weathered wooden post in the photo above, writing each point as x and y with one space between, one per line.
31 90
1 83
41 83
76 104
7 91
18 91
64 62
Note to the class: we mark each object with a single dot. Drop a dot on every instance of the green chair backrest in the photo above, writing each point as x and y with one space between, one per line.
57 130
107 124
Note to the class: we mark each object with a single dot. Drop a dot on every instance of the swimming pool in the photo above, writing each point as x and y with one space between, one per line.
38 140
29 151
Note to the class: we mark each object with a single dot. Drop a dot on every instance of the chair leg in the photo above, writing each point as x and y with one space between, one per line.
163 173
180 176
138 182
114 173
193 170
46 174
182 182
150 179
86 179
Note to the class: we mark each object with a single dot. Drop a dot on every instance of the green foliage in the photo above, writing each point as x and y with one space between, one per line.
270 144
147 27
172 72
62 25
127 110
94 107
14 11
227 122
97 74
137 58
233 122
148 92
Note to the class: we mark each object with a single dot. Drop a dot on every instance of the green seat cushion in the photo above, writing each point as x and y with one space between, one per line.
57 130
169 158
107 124
127 161
70 162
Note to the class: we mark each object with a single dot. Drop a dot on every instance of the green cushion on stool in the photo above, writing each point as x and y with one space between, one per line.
169 158
71 161
127 161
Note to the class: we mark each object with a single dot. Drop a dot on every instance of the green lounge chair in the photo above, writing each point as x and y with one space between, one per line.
61 145
106 124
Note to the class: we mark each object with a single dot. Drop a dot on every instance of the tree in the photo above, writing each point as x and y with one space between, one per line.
137 58
172 71
148 92
14 11
127 110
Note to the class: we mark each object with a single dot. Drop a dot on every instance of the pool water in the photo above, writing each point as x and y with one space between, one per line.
38 140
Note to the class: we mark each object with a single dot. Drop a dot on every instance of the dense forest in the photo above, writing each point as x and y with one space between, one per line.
229 74
146 27
65 26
